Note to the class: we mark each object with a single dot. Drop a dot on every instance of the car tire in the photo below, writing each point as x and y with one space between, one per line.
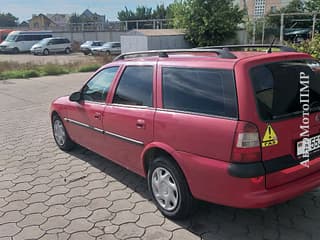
67 50
108 53
60 134
15 50
171 194
45 52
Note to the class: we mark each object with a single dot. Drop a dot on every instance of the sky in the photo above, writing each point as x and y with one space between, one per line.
23 9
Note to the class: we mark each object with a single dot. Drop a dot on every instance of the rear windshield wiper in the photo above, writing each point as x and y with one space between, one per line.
286 115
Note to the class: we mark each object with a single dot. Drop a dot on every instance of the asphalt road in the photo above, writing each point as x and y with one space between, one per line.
49 194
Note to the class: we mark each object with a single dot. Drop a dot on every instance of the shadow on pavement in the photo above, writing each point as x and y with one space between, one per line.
295 219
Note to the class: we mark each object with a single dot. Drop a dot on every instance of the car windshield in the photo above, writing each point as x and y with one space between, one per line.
87 43
278 87
43 41
12 37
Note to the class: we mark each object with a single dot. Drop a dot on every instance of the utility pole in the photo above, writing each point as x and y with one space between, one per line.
314 24
282 28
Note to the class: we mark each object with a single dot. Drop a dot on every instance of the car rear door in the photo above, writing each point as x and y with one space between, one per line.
198 109
128 118
115 49
288 101
85 118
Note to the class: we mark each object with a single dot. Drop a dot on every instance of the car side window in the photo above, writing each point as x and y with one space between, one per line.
135 86
97 88
196 90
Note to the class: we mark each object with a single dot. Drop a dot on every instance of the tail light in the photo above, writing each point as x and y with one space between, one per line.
246 145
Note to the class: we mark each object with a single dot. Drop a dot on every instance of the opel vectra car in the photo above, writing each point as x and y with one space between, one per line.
212 124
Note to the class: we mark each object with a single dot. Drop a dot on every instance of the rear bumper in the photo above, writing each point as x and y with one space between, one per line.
210 180
285 192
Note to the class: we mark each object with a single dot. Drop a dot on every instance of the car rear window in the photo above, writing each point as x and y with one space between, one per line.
198 90
277 87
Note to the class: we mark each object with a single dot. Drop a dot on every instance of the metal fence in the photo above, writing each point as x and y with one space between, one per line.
293 27
103 26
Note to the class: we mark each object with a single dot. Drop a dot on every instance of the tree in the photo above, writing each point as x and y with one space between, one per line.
176 11
313 5
207 22
141 13
160 12
8 20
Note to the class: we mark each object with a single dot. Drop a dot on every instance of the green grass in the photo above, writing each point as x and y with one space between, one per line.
89 68
19 74
54 69
13 70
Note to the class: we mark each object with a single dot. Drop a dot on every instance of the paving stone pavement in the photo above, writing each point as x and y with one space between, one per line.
49 194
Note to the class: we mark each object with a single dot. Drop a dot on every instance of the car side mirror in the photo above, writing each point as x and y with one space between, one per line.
75 97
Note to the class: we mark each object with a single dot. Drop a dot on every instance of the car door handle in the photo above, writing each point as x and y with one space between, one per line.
97 116
140 123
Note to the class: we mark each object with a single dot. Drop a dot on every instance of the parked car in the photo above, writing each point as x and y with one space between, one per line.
109 48
88 45
22 41
211 124
52 45
297 35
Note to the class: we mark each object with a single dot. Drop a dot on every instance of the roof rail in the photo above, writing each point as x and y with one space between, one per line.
222 53
282 48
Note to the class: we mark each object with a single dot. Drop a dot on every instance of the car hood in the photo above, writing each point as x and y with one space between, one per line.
36 45
61 100
4 43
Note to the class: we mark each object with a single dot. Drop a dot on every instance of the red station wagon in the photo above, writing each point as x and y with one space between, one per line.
211 124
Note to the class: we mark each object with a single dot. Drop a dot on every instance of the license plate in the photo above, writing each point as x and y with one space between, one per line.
308 146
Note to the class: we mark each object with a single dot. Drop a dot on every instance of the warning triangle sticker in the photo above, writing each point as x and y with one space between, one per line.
270 137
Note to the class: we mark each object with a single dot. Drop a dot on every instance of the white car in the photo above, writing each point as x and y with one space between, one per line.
109 48
88 45
22 41
52 45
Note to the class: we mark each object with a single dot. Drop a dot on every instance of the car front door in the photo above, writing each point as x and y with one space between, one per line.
128 118
85 117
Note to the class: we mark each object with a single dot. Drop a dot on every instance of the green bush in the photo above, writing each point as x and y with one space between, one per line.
310 46
11 74
89 68
19 74
53 69
31 73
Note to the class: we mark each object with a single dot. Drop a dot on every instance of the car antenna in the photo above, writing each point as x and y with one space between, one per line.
271 45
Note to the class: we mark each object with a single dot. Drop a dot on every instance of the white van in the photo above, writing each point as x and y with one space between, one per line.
52 45
19 41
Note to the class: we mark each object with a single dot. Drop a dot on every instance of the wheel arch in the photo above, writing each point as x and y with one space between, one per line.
53 113
156 149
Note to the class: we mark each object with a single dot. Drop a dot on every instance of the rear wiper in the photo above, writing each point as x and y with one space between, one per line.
315 109
276 117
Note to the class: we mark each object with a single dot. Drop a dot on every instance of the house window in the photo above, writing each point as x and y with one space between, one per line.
259 8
